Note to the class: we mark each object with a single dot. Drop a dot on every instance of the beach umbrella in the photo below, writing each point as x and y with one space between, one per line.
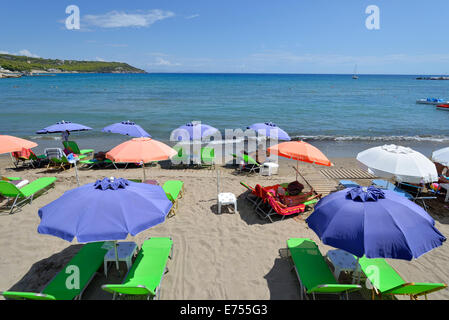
441 156
9 144
270 130
375 223
141 150
63 126
300 151
106 210
192 131
127 128
405 164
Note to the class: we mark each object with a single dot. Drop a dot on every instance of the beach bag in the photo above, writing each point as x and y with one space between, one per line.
294 188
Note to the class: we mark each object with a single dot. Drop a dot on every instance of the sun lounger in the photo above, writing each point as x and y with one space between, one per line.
416 193
343 184
208 157
251 195
276 208
25 193
386 281
269 206
180 157
73 148
250 164
313 272
96 163
146 274
28 158
82 266
173 189
382 184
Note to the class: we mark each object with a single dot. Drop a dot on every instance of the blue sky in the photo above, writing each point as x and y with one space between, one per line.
286 36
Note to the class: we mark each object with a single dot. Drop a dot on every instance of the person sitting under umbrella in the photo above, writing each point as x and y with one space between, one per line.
441 170
294 200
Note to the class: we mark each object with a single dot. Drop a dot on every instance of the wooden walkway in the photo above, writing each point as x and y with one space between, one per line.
347 174
320 183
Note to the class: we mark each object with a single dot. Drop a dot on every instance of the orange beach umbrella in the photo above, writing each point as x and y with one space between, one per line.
9 144
13 144
301 151
141 150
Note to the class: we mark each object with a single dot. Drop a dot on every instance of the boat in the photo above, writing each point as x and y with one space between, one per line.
355 76
443 107
433 101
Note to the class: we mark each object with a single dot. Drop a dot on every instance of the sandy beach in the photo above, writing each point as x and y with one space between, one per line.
216 256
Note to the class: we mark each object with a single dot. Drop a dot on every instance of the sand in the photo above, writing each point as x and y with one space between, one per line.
216 256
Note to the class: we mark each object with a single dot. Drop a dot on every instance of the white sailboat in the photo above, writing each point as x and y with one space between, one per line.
355 76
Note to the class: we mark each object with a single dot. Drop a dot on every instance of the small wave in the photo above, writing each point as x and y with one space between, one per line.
45 137
423 138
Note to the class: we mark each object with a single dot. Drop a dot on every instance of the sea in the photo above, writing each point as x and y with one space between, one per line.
339 115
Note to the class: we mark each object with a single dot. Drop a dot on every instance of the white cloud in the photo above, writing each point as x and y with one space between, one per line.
23 52
161 62
100 59
116 19
27 53
193 16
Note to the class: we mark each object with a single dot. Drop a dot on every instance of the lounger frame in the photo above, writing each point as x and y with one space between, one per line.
157 291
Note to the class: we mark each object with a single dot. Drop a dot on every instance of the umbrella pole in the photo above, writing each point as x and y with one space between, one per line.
12 159
297 172
116 254
356 274
218 183
76 174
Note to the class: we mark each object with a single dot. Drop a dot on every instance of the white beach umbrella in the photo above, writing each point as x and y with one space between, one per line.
402 163
441 156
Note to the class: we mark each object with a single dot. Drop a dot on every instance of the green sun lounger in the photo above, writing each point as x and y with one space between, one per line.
97 163
207 157
386 281
180 157
64 286
73 147
173 189
249 161
313 272
25 193
146 274
10 178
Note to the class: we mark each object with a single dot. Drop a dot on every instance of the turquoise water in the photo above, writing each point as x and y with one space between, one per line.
333 112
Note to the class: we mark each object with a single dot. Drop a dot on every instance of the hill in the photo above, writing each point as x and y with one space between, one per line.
27 64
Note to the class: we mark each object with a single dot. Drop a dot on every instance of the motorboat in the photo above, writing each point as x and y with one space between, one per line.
433 101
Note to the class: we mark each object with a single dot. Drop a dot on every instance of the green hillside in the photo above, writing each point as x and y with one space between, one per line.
23 63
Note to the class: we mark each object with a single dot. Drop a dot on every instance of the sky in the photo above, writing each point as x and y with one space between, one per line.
236 36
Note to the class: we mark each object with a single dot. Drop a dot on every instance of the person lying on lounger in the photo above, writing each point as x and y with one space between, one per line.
291 201
442 171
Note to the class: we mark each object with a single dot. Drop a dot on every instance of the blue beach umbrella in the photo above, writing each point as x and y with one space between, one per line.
63 126
192 131
107 210
270 130
127 128
375 223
